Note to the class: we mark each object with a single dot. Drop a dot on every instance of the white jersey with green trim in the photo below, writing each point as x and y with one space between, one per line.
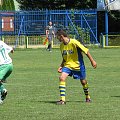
4 53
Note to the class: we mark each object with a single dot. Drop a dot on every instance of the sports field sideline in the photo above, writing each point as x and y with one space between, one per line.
33 87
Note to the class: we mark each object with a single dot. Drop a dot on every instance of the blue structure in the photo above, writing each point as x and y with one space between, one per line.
34 22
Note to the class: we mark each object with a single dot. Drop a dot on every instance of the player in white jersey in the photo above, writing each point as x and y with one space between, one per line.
6 67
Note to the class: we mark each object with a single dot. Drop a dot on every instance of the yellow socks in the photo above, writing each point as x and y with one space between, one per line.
62 88
86 90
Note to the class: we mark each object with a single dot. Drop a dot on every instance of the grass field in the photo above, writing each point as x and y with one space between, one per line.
33 88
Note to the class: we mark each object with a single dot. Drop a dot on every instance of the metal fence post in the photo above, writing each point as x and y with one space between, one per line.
26 41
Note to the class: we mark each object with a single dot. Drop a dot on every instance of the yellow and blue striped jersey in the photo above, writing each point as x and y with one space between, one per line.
72 54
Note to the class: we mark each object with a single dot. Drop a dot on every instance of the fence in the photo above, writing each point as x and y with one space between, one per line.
30 25
113 40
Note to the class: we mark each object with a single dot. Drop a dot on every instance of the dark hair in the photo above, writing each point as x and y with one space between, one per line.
61 32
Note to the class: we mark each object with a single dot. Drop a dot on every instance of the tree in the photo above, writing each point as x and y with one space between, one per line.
7 5
57 4
114 21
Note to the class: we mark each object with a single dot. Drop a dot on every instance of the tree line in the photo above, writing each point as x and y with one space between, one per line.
7 5
57 4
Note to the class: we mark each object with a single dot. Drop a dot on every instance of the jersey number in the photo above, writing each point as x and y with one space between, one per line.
3 53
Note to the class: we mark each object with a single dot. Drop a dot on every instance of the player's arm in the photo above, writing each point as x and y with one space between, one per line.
47 31
8 48
61 66
53 33
12 51
82 47
93 62
86 51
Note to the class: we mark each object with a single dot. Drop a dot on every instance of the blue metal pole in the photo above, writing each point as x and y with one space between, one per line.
106 26
90 29
66 21
20 29
46 21
50 15
81 20
96 26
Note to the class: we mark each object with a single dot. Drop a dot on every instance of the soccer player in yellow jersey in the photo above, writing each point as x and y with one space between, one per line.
72 64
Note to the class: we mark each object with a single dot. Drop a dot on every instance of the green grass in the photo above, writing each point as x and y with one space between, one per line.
33 88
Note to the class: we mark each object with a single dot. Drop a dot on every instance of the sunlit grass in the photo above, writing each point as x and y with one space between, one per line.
33 88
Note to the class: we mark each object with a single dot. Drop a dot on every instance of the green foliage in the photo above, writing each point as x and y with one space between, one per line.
83 33
57 4
33 88
114 40
7 5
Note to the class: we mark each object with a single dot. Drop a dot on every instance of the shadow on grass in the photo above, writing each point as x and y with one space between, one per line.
54 102
116 96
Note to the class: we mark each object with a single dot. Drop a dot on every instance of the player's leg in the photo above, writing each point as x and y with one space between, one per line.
62 87
49 43
86 90
82 77
50 46
5 71
2 74
1 91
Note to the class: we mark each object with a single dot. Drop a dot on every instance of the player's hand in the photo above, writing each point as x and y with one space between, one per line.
60 69
94 64
12 51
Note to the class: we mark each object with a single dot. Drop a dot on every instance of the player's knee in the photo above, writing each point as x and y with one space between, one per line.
83 82
61 78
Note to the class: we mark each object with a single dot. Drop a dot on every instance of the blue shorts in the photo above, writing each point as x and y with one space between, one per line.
81 75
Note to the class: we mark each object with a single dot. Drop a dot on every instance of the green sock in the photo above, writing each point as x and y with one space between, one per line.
1 87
